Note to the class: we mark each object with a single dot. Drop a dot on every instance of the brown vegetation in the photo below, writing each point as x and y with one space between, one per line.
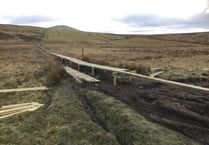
171 53
139 68
55 73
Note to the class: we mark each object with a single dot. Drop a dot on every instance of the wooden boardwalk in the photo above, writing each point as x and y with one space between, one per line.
167 81
79 76
91 65
125 71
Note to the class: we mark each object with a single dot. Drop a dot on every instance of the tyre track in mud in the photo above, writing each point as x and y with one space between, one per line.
81 90
181 109
178 108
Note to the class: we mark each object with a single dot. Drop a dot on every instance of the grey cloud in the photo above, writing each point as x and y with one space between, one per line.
148 20
200 20
29 19
142 21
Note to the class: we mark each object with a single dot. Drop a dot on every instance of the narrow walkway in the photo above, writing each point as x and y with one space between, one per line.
124 71
24 89
79 76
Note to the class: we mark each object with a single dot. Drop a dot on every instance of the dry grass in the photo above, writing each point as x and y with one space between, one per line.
22 64
55 73
139 68
171 53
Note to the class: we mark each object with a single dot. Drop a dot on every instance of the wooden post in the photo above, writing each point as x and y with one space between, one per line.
130 76
92 71
114 80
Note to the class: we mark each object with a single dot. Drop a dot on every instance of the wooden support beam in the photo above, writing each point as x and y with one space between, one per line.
79 76
92 71
114 80
115 77
68 62
130 76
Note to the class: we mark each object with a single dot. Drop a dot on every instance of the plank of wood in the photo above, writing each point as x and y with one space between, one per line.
18 105
167 81
24 89
14 109
92 65
155 74
79 76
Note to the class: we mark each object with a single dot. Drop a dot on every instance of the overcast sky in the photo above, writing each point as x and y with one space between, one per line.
112 16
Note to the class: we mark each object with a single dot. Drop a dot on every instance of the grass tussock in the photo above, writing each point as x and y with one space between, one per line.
131 128
86 58
95 60
144 69
55 73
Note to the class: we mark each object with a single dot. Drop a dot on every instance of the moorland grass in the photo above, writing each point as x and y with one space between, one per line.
171 53
62 120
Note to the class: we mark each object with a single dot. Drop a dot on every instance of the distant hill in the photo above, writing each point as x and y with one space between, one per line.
64 27
63 33
101 40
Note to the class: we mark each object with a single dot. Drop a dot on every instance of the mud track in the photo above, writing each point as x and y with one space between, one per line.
179 108
182 109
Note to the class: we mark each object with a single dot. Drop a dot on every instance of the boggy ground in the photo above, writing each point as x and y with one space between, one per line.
182 109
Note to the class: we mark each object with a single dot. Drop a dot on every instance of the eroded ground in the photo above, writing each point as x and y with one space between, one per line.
182 109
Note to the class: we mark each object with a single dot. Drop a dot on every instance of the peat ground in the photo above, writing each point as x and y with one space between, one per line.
179 108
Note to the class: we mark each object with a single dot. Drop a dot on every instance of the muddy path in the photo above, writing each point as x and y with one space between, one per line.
179 108
182 109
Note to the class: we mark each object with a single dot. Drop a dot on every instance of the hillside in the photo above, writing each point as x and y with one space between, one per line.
170 53
11 31
196 38
137 112
63 27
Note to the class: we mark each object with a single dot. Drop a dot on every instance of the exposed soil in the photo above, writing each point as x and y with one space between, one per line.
91 111
179 108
